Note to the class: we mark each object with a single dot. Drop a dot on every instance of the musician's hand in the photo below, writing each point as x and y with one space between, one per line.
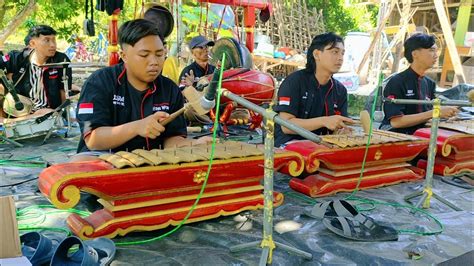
448 111
336 122
204 140
344 131
188 78
150 127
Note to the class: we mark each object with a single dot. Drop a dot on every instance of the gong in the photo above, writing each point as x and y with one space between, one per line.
237 55
162 17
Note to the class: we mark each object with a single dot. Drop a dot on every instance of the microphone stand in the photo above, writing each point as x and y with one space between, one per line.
427 192
67 90
268 244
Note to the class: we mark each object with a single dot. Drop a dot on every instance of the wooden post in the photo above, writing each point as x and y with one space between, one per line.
382 20
113 38
448 35
462 22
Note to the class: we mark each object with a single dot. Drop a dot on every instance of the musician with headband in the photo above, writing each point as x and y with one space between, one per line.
311 98
199 47
39 88
422 53
121 106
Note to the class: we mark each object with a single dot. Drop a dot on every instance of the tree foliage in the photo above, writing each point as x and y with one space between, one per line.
65 16
341 19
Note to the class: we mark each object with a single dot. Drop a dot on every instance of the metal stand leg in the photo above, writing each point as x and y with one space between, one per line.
67 90
11 141
427 191
267 244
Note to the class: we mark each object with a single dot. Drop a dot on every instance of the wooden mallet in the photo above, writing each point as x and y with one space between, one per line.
194 102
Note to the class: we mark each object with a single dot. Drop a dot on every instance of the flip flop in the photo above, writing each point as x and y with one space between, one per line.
457 181
360 228
37 248
97 252
335 208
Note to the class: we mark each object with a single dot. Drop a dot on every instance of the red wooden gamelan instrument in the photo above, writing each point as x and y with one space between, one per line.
455 147
334 165
253 85
148 190
249 14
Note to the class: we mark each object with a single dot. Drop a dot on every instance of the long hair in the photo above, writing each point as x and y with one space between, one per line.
320 42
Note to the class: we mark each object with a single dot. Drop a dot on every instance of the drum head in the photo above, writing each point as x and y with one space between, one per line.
9 105
237 55
162 17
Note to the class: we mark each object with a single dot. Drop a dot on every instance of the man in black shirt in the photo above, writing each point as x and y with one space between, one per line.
43 86
190 75
121 106
421 53
311 98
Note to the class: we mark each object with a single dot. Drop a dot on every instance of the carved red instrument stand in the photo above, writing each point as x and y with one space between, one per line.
454 154
254 86
332 169
153 197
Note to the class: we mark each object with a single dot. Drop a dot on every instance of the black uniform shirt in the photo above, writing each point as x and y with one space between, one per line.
198 72
108 99
18 63
406 85
301 95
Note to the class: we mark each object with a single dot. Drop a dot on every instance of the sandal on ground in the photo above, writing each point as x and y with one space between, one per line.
360 228
37 248
335 208
457 181
97 252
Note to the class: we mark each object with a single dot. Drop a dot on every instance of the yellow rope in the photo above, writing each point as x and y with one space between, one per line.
429 192
268 242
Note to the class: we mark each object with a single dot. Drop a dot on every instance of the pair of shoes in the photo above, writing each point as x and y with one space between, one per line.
40 250
99 251
340 217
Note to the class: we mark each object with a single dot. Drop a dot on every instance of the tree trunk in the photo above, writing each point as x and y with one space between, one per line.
17 20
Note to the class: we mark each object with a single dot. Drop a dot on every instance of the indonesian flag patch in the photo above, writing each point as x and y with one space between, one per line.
284 101
86 108
6 58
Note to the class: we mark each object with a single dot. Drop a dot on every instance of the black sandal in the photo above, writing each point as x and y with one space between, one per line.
360 228
335 208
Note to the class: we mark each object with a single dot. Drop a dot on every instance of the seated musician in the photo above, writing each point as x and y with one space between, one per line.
421 53
121 106
311 98
190 75
41 89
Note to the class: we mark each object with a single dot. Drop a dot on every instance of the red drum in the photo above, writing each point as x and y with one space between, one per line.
253 85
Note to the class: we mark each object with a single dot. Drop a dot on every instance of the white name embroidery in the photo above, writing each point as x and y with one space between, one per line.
157 108
119 100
